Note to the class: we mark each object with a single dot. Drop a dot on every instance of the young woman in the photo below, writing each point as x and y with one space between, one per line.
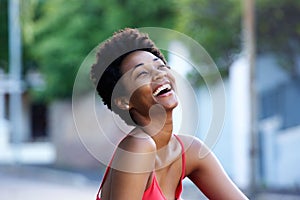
133 79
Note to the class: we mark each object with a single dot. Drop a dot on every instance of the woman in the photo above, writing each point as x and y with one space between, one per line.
134 81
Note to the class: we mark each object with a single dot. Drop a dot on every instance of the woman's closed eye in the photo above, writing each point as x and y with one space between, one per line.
142 73
164 66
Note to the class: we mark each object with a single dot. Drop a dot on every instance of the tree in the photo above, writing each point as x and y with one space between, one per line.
65 32
278 31
3 35
59 34
214 24
217 26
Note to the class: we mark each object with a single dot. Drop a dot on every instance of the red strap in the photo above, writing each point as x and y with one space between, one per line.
103 180
105 176
179 188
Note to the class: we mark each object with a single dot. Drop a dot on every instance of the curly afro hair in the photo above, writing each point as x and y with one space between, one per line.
105 73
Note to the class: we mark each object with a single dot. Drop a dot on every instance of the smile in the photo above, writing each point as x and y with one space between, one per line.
162 90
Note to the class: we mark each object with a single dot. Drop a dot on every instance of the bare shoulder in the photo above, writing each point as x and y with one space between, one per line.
195 151
202 164
138 142
192 143
132 164
135 153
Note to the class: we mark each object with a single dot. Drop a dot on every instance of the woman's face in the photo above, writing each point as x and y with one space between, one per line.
148 81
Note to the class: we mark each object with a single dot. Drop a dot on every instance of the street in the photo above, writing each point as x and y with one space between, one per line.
35 183
46 184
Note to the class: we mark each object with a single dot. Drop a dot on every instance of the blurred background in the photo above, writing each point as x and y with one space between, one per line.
255 44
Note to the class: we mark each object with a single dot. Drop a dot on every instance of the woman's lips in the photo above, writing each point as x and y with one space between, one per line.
160 88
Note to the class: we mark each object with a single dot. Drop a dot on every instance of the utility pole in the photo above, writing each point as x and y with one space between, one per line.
2 96
15 57
249 49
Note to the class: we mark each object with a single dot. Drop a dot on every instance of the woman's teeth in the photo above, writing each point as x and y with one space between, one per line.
161 88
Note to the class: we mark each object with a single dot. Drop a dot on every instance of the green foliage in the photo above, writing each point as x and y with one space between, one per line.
3 35
278 30
66 31
58 34
215 24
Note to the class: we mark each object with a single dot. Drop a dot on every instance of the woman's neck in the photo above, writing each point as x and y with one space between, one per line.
157 125
163 136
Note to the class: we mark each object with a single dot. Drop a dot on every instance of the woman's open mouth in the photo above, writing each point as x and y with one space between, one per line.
161 90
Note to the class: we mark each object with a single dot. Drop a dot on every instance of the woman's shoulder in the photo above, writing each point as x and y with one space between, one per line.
138 141
135 154
196 151
193 146
190 141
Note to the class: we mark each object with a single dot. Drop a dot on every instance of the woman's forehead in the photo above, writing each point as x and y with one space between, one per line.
136 59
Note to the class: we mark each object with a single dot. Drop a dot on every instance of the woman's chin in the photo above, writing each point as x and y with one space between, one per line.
168 101
170 105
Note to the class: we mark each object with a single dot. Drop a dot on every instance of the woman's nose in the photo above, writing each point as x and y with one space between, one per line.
158 74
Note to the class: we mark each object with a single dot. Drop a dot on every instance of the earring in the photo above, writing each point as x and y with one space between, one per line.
127 106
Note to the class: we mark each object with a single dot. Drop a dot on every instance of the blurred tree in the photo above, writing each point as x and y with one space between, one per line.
216 25
3 35
59 34
278 31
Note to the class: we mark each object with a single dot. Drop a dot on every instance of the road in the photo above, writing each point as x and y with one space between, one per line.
36 183
33 183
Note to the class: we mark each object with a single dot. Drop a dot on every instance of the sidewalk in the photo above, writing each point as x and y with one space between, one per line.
36 183
32 183
190 192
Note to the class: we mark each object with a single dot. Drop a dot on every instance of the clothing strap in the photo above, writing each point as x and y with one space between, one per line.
105 176
179 189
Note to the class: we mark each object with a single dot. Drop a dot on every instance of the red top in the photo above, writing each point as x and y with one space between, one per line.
154 192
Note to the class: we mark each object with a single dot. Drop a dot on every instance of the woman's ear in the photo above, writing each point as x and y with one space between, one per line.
122 102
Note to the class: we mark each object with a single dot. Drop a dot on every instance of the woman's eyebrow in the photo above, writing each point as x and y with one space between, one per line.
140 64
